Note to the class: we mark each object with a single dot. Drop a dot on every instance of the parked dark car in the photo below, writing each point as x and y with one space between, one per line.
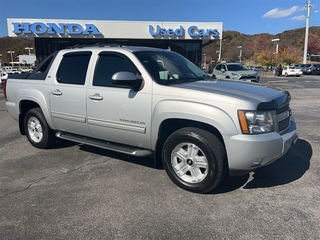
257 68
317 69
297 65
308 68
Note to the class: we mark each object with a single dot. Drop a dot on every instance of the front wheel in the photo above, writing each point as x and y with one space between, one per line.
37 129
194 159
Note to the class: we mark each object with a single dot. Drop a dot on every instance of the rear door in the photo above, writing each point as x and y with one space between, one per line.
68 94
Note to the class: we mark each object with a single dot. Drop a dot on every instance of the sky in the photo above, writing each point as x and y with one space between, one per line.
245 16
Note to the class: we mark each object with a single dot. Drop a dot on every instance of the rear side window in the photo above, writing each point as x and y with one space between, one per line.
73 68
42 70
107 65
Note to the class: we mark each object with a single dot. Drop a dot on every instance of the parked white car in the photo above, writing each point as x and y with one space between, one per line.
291 71
23 70
235 71
10 70
4 76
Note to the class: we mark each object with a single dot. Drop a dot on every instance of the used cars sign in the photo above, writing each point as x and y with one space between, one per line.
193 31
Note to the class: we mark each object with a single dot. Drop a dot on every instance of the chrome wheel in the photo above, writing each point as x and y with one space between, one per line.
194 159
35 129
189 162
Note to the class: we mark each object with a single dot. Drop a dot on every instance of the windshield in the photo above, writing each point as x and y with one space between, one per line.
168 67
237 67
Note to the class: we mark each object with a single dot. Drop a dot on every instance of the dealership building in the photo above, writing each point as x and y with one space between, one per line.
49 35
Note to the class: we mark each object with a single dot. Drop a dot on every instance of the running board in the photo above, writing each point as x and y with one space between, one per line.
134 151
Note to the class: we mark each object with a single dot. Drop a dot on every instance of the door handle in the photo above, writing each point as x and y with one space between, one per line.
56 92
96 96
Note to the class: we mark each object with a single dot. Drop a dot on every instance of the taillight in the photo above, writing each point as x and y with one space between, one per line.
4 84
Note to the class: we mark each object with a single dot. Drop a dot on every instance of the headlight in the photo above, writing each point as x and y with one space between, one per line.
234 74
255 122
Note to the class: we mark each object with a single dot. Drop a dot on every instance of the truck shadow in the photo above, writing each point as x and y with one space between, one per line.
288 168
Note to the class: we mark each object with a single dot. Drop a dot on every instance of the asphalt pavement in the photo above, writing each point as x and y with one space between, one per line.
79 192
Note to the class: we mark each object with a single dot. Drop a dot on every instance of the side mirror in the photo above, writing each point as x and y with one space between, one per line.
128 79
223 70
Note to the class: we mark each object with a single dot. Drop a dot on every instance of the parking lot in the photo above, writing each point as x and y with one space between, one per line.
79 192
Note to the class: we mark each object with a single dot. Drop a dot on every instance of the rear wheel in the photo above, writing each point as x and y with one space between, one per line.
194 159
37 129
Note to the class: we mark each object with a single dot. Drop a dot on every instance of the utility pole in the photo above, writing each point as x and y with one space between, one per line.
240 53
305 52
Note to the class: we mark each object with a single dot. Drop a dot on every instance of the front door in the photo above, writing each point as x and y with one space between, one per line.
117 113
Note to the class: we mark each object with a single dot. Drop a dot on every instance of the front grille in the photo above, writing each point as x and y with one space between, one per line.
248 77
283 117
282 125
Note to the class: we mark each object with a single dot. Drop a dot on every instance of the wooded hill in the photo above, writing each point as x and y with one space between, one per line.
14 44
259 49
256 49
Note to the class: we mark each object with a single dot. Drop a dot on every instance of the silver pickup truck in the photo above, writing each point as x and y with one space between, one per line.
146 101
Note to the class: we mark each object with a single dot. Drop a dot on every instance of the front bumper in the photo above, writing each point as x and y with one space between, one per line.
248 152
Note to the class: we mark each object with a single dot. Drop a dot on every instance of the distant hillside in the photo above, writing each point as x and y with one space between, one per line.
291 39
14 44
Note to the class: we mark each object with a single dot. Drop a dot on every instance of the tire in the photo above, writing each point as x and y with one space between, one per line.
286 74
194 159
37 130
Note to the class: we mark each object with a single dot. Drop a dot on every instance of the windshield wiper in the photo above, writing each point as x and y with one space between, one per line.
185 80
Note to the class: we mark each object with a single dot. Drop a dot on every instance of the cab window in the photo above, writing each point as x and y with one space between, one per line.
73 68
107 65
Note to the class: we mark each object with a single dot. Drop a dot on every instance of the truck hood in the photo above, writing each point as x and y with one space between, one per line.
256 93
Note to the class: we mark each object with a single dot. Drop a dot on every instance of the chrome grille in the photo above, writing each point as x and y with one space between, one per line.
283 108
283 117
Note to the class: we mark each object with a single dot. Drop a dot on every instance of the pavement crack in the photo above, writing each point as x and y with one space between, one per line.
26 188
54 175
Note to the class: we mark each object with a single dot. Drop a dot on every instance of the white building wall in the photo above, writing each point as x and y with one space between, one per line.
27 59
114 29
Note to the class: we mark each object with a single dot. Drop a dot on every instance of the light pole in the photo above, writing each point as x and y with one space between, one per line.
11 52
308 6
220 48
218 55
204 61
28 48
277 46
240 53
